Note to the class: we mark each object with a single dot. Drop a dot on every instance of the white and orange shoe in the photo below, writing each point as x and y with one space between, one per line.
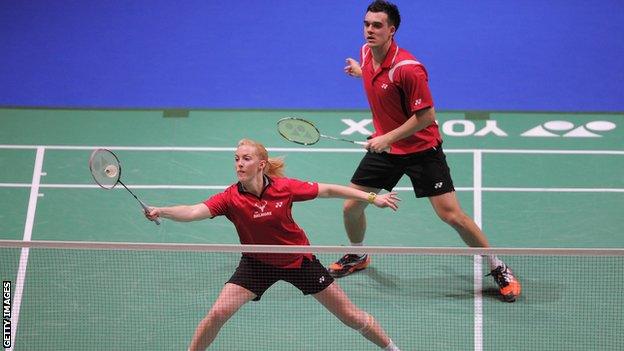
508 285
348 264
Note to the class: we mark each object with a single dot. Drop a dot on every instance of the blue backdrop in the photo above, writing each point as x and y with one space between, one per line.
557 55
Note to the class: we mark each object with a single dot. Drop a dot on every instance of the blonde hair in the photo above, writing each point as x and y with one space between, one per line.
275 165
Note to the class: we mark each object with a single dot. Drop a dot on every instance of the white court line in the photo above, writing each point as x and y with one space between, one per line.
28 228
180 148
303 149
560 190
477 272
400 188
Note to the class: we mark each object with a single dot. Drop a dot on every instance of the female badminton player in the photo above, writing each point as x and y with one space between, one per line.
259 205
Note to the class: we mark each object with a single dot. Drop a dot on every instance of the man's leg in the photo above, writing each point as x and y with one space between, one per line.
355 226
448 209
354 216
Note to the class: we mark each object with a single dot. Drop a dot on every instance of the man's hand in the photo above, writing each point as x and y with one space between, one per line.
353 68
379 144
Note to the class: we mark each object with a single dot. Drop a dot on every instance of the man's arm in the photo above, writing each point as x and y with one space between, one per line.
419 120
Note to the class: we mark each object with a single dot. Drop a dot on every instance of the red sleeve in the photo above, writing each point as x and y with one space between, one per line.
218 204
302 191
363 53
415 83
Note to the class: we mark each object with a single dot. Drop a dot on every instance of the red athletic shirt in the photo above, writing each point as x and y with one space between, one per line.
266 220
395 92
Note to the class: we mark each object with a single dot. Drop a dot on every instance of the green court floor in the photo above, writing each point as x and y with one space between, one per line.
530 180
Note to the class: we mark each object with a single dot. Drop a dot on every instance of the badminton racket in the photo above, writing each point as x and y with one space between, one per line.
303 132
106 171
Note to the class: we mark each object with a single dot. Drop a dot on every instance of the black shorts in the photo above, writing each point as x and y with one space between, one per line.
428 171
257 276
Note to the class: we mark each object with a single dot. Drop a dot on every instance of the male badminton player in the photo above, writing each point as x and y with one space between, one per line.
259 205
396 86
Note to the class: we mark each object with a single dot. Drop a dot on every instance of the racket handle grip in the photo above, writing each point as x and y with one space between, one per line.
146 209
364 143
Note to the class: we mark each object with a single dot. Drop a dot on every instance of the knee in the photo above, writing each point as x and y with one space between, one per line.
352 208
218 315
453 218
357 320
365 323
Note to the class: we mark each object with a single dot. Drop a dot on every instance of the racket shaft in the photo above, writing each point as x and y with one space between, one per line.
143 205
341 139
352 141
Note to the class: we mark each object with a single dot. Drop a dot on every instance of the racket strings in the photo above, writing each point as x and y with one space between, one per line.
298 131
105 168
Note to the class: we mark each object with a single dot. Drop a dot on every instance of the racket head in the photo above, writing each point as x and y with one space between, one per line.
298 130
105 168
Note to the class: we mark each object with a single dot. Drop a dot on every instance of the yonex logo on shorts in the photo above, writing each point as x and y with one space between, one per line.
438 185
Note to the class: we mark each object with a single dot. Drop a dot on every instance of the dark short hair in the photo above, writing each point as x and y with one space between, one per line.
390 9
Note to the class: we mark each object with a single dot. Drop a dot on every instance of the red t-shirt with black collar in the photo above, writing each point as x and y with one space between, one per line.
266 220
395 91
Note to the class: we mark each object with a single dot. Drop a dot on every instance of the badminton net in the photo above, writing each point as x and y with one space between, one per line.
124 296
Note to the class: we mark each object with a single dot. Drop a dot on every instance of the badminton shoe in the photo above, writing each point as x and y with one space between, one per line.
508 285
348 264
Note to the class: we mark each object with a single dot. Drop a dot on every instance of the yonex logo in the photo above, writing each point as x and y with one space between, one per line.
417 102
279 204
321 279
465 128
356 127
568 130
438 185
384 86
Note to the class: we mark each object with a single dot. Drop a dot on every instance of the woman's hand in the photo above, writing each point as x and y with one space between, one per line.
152 214
387 200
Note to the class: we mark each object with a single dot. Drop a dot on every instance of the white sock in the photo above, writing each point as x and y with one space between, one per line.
358 244
494 261
391 347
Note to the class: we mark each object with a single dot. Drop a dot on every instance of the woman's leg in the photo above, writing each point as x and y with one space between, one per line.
339 304
231 298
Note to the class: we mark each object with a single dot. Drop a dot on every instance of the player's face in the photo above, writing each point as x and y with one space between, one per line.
247 163
377 31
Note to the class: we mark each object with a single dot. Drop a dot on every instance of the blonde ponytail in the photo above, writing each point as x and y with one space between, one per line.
275 165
